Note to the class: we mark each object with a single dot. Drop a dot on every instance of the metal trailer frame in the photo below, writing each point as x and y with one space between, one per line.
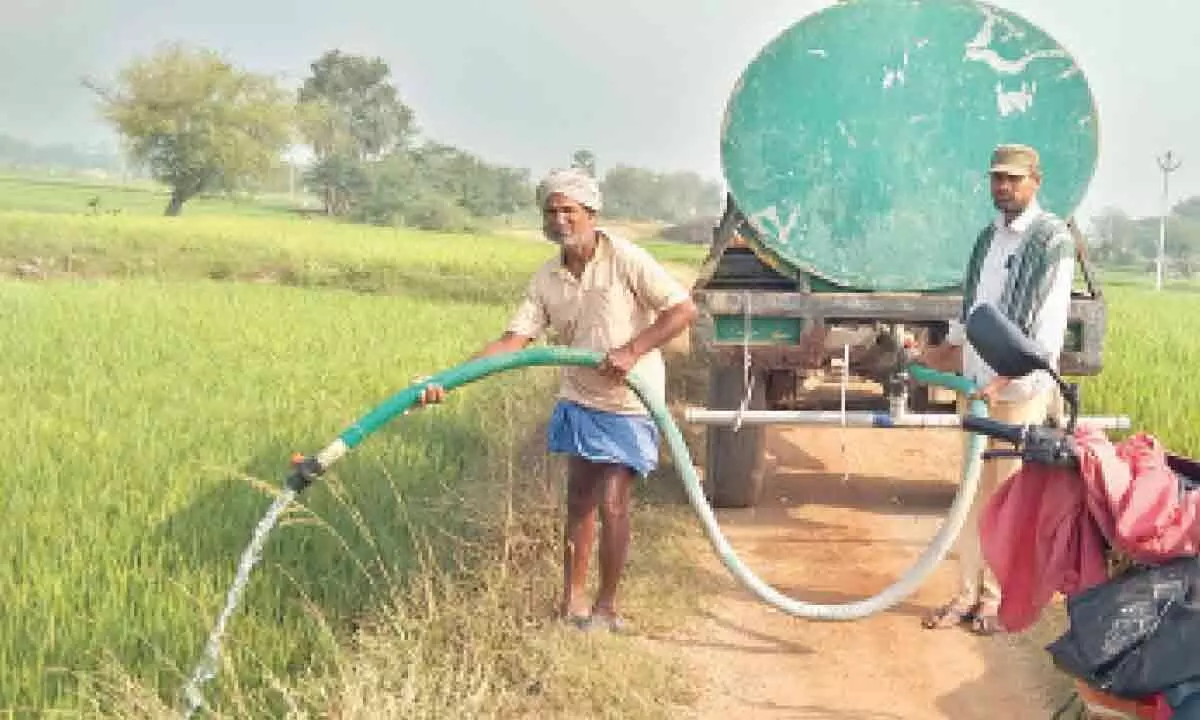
752 327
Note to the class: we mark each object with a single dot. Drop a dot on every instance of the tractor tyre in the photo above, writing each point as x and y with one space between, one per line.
735 462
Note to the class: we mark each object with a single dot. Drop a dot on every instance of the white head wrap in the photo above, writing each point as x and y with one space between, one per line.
573 183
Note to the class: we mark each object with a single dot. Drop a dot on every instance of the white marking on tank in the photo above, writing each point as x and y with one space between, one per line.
846 134
892 77
978 50
1014 101
782 230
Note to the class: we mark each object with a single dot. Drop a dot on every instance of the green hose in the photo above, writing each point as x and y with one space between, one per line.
308 469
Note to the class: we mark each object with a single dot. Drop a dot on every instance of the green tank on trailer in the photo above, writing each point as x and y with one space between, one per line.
855 150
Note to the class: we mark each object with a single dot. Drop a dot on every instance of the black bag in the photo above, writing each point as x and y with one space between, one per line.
1137 634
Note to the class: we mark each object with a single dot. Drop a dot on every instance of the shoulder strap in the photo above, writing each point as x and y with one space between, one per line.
1081 256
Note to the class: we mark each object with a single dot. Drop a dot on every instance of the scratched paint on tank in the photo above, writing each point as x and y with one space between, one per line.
857 142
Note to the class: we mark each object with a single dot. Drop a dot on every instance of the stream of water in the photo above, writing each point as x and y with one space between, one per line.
207 668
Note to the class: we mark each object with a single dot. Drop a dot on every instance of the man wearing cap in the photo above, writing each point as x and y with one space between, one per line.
603 293
1023 263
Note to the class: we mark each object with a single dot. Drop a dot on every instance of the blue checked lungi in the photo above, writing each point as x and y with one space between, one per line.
604 437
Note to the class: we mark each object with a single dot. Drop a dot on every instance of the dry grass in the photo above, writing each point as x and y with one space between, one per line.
466 634
471 632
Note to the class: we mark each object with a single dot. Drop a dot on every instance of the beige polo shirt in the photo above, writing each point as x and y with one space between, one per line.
621 292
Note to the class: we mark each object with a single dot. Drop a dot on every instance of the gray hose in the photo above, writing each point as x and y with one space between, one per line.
481 367
890 596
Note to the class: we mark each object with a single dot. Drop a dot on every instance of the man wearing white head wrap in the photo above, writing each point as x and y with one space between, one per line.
573 184
606 294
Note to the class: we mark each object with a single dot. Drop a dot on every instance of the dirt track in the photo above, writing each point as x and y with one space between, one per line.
845 512
823 538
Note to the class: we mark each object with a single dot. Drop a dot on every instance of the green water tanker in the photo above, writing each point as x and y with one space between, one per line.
855 149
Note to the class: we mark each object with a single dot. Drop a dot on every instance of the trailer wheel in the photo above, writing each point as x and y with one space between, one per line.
735 462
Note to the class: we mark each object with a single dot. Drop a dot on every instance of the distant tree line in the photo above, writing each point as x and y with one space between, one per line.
19 154
198 124
1118 240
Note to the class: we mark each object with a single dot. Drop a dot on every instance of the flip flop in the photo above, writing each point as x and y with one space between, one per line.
986 623
611 622
579 622
949 615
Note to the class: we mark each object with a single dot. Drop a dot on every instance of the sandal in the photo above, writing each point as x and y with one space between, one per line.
582 623
577 620
608 621
949 615
986 623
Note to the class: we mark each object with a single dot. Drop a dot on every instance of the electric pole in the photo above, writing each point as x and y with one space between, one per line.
1168 164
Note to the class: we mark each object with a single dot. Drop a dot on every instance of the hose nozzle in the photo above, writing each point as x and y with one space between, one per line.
305 470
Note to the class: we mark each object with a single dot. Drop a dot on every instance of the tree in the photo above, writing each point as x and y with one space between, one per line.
17 152
515 190
1122 241
439 186
339 180
351 115
1112 231
1188 208
628 192
641 194
352 107
584 160
197 123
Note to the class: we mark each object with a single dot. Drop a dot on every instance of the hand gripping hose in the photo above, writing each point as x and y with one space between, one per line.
308 469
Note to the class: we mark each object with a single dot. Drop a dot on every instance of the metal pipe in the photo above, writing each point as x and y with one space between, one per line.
704 416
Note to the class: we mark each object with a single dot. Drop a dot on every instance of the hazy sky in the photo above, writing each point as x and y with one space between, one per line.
525 82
